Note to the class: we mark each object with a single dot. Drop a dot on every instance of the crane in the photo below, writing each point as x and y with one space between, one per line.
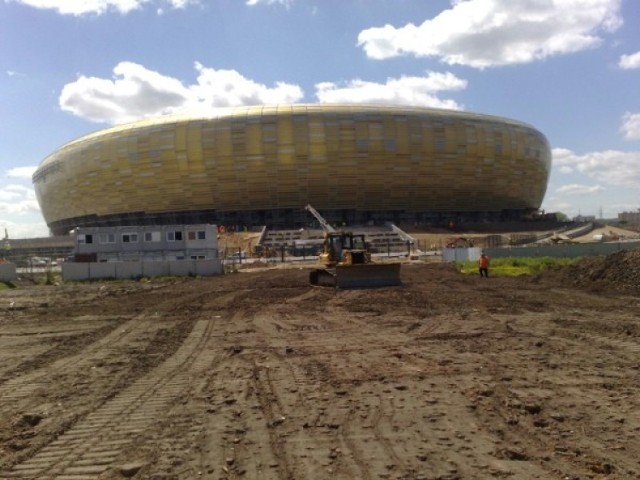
325 225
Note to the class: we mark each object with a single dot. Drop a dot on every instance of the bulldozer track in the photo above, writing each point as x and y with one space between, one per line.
356 453
28 385
382 414
92 445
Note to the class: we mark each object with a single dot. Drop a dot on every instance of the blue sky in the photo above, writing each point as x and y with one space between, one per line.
570 68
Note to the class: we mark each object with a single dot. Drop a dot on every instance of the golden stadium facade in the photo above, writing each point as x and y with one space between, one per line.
261 165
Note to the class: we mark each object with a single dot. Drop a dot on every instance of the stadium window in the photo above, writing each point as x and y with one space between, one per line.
191 236
202 235
129 237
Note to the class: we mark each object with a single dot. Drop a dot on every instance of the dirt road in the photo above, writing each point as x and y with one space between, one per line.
257 375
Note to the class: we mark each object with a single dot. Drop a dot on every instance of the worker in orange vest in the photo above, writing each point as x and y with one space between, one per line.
483 264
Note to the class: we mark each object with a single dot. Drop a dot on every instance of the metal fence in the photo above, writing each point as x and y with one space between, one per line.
557 251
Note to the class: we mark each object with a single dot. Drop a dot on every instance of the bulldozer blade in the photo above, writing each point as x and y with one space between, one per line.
323 277
367 275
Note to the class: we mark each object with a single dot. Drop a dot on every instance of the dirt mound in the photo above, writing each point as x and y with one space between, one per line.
618 272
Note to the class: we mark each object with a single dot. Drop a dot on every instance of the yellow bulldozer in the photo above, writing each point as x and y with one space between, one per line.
345 261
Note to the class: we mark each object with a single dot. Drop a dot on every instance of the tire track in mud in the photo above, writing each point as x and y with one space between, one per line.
309 339
606 342
348 439
190 306
259 372
28 384
240 392
21 388
90 447
384 441
22 391
386 452
400 342
268 397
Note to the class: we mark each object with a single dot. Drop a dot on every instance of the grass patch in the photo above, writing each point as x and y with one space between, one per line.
7 286
515 266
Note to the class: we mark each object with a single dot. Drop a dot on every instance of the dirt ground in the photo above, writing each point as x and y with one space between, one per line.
257 375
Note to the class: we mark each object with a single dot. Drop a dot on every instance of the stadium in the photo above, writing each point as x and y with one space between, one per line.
250 166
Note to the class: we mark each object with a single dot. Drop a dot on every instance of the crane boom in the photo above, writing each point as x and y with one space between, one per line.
325 225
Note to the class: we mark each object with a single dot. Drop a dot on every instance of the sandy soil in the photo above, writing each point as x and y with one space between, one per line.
257 375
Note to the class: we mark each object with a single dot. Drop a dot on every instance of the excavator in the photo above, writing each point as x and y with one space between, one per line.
345 261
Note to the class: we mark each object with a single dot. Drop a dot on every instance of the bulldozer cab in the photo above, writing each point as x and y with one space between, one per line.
345 247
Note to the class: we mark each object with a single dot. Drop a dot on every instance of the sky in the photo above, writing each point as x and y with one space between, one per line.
569 68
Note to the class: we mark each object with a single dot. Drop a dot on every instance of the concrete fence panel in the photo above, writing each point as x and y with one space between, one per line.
102 270
182 268
460 254
75 271
8 272
129 270
155 269
207 268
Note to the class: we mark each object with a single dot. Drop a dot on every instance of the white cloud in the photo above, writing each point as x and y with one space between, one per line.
21 172
559 206
415 91
228 88
486 33
609 167
182 3
286 3
20 212
36 229
631 126
134 93
628 62
98 7
137 92
18 199
18 202
575 189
